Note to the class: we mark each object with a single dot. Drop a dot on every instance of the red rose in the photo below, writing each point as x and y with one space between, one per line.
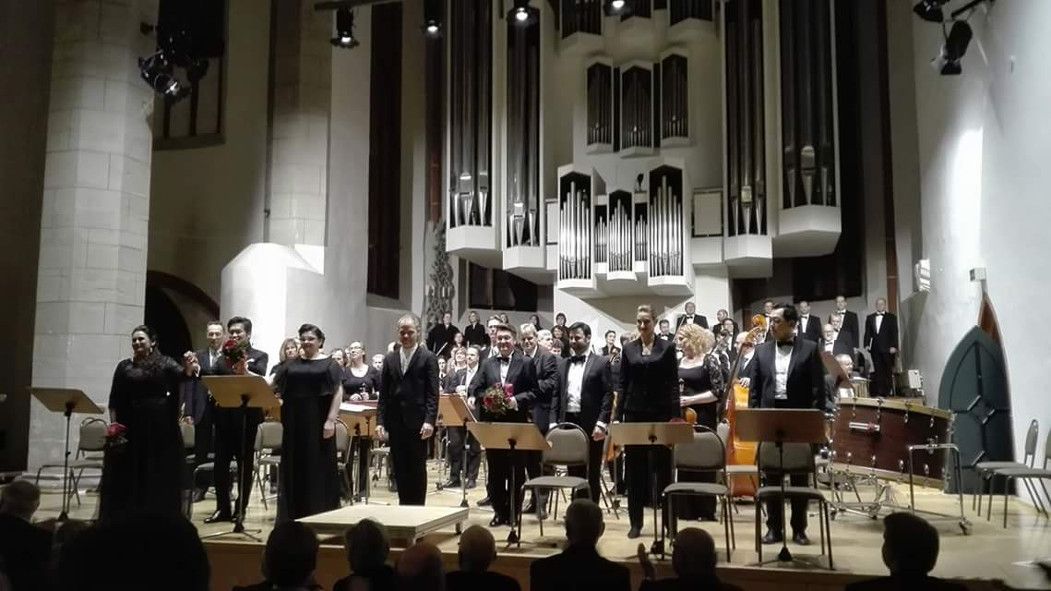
509 390
115 430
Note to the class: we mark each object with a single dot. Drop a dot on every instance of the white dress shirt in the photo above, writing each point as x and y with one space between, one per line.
574 382
803 321
406 357
782 357
503 369
879 321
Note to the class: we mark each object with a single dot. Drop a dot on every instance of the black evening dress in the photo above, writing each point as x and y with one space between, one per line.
145 474
367 386
697 379
308 482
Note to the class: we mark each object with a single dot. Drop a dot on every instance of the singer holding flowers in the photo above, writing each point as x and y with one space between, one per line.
144 457
505 390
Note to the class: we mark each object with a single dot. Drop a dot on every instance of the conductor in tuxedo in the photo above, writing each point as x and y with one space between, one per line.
881 339
408 409
786 373
585 398
197 404
809 326
691 317
545 365
235 427
511 367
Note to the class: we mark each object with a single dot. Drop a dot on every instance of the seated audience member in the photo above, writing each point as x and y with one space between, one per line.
159 552
477 552
420 569
579 567
289 559
25 549
367 551
693 560
910 550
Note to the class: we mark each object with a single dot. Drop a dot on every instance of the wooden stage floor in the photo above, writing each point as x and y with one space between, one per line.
989 553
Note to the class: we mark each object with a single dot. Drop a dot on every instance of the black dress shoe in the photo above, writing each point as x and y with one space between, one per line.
497 521
772 537
485 502
634 532
198 495
471 484
451 484
219 516
800 538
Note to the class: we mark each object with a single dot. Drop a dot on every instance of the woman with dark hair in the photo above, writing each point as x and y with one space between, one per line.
311 388
535 321
558 333
503 318
143 466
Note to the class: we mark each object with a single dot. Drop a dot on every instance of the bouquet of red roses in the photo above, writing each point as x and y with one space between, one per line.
497 398
115 435
236 353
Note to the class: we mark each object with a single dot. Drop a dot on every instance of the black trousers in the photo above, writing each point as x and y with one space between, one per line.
594 461
204 444
775 508
408 456
234 440
502 464
360 446
457 437
644 467
883 367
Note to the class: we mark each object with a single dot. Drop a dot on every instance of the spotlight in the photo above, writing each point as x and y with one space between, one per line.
345 29
930 10
157 71
432 18
948 61
522 12
616 8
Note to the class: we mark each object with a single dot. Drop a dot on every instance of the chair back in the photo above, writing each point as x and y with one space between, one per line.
569 445
188 434
723 431
92 435
342 439
1030 443
798 458
268 437
1047 450
705 453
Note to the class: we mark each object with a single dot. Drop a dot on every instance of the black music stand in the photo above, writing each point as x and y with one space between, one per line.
651 435
358 416
781 426
512 437
456 413
66 401
244 392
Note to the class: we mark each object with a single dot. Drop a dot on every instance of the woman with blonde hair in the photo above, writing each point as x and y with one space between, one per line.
701 389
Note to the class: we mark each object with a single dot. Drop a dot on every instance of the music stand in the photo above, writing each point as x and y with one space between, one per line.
66 401
781 426
512 437
358 418
244 392
456 413
651 435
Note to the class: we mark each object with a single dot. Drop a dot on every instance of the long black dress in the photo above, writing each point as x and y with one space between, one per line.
308 482
146 473
695 380
367 387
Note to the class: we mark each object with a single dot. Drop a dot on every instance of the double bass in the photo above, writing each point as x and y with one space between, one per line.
737 451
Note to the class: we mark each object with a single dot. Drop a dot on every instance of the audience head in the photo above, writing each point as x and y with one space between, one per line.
690 308
694 340
20 499
472 356
783 321
239 328
420 567
311 340
289 349
579 337
584 524
409 330
367 546
644 321
377 361
694 554
291 555
215 332
477 549
910 544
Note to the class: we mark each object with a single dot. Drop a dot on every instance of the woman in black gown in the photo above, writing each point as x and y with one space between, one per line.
701 377
311 388
361 382
145 474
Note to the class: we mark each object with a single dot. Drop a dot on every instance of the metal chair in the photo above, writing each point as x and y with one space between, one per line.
343 454
798 458
987 471
748 470
706 453
268 439
1026 474
91 444
569 447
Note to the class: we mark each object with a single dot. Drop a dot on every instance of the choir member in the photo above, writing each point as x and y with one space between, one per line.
503 318
649 390
458 341
311 389
339 356
442 362
560 320
361 382
558 333
474 333
691 317
881 339
722 316
458 436
457 362
849 321
665 333
440 338
408 409
289 350
198 406
235 428
787 373
145 473
834 342
377 362
701 377
535 321
611 347
490 327
545 366
809 327
509 367
584 397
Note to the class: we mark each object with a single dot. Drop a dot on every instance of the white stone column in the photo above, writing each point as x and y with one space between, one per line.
93 229
299 146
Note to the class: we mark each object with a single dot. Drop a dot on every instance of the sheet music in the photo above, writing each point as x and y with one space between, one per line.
356 408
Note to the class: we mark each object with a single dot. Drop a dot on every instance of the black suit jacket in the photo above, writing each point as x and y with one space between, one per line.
578 569
476 334
805 387
840 346
484 581
812 332
521 376
850 324
698 319
415 393
440 339
887 337
195 394
545 365
596 393
25 552
649 384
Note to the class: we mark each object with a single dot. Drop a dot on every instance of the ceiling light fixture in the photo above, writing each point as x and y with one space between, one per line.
345 29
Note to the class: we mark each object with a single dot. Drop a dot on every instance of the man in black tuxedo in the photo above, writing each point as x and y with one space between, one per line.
440 338
850 322
458 436
834 342
490 349
691 317
786 373
809 326
474 333
881 339
407 409
665 333
585 398
545 365
198 406
235 428
508 367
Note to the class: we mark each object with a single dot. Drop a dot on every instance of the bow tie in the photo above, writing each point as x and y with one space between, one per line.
880 313
505 360
578 358
785 343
